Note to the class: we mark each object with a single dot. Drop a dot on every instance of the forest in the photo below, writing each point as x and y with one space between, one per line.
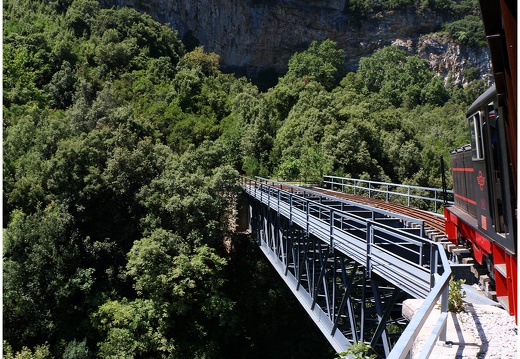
122 149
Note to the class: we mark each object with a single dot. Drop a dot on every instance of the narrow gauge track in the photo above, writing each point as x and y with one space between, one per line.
437 234
430 220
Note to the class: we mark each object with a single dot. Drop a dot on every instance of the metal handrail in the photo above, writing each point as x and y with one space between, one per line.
262 188
439 269
388 189
310 192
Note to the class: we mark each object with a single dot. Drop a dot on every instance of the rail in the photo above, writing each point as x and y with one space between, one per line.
425 198
416 265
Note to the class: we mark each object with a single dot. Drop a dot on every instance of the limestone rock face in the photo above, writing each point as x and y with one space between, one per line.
446 58
251 35
449 59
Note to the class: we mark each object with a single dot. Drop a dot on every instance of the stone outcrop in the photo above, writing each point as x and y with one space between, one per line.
446 58
258 34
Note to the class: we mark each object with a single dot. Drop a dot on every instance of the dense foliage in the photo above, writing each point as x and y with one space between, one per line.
121 157
463 24
366 8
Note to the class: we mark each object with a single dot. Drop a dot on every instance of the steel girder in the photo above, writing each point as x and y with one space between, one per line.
348 303
329 253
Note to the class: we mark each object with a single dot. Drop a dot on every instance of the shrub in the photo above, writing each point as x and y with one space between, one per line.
456 296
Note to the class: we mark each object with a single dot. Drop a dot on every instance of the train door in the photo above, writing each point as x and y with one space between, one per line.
478 180
496 192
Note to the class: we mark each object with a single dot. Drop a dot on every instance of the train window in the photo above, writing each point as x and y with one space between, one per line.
476 136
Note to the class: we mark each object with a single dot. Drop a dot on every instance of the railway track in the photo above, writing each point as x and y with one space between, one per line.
430 220
464 266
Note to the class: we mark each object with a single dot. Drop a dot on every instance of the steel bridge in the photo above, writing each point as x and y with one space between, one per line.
351 266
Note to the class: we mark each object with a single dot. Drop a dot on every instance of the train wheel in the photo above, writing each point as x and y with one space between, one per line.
488 259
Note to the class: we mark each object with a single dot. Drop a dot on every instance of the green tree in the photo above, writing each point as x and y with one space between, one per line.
468 31
313 165
434 92
61 87
283 97
397 78
29 141
257 137
418 77
46 280
208 64
81 16
20 77
181 302
358 351
305 123
373 70
132 329
322 62
77 350
191 195
187 86
40 352
289 170
345 148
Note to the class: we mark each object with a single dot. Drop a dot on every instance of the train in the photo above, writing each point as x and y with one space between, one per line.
484 214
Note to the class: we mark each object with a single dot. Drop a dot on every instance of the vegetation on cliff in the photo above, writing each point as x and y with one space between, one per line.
369 7
121 158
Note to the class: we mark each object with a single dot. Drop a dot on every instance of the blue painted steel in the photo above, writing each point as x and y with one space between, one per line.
325 255
359 209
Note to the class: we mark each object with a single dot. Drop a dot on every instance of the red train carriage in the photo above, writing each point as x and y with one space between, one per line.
484 173
485 204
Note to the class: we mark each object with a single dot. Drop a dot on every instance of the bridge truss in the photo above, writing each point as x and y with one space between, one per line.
350 266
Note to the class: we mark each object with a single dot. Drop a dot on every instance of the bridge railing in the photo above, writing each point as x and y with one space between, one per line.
306 192
426 198
416 265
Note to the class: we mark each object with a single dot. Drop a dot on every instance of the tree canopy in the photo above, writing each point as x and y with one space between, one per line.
122 152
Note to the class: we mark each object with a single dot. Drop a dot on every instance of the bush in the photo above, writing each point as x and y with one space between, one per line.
357 351
468 31
456 296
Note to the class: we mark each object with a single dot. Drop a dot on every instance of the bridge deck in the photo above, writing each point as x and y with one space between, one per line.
309 236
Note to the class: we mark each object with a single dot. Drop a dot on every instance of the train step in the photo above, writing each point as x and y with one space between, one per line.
504 302
501 268
501 286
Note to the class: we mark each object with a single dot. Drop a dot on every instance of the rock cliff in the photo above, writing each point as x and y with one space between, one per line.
251 35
